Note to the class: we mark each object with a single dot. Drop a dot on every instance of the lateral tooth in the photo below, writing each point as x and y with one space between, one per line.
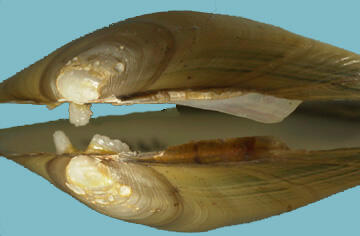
79 115
100 143
62 143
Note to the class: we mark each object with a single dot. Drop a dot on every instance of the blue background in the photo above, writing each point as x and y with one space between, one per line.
30 30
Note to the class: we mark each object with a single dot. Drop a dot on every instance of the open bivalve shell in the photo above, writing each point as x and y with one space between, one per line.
188 169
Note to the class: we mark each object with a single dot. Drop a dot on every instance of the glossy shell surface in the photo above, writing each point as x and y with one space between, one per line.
207 178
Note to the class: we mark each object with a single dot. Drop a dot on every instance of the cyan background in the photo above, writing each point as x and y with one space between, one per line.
29 30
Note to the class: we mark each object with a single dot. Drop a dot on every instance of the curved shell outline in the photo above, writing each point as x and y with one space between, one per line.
178 57
341 83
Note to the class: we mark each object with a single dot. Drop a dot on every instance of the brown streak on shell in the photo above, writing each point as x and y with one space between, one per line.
220 150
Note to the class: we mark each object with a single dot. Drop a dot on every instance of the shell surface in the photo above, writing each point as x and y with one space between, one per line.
205 172
171 182
178 57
